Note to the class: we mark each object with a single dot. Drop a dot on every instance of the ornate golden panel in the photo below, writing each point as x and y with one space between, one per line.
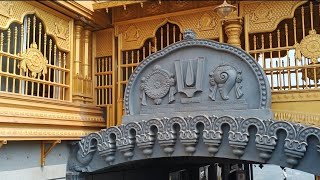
6 113
56 26
204 22
41 133
297 106
264 16
135 34
298 96
298 117
104 42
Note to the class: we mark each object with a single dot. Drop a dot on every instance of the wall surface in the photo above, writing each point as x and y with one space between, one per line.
21 160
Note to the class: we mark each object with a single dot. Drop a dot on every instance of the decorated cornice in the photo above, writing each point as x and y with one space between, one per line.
20 133
298 117
296 96
141 136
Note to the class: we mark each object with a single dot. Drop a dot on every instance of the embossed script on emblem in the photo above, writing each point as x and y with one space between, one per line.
223 79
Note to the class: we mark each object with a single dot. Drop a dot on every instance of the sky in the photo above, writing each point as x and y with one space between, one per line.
273 172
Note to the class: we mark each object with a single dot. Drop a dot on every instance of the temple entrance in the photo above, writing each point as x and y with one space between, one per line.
195 107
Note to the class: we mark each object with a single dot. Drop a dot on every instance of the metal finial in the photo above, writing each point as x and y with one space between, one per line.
189 34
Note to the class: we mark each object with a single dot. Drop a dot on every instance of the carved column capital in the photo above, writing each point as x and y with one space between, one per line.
233 29
78 29
87 34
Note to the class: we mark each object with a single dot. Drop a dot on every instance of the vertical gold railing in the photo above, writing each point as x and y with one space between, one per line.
128 60
277 51
15 42
104 86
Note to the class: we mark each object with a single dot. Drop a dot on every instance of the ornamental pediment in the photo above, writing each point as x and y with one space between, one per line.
197 76
179 100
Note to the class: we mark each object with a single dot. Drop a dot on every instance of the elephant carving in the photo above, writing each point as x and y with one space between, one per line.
223 79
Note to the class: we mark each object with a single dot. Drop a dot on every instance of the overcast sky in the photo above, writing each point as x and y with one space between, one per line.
272 172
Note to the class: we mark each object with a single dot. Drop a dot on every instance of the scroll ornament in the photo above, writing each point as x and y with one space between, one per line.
34 61
157 85
309 47
223 79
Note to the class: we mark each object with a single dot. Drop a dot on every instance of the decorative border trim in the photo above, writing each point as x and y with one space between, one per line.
296 96
263 82
18 133
298 117
126 137
50 115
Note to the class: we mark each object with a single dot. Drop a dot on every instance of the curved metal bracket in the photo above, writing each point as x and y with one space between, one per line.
3 142
45 150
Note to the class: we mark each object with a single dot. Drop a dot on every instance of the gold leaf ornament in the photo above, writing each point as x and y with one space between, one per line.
309 47
34 61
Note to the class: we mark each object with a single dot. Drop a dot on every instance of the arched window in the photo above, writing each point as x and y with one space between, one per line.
278 51
31 63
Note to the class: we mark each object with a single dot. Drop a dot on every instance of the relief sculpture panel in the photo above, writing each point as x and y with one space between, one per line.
223 79
157 85
211 84
202 78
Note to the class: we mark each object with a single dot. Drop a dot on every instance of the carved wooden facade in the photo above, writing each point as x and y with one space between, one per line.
37 72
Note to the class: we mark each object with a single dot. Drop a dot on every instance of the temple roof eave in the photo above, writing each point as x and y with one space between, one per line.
119 145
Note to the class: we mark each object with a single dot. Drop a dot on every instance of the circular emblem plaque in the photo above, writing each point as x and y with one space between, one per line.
156 85
310 46
34 61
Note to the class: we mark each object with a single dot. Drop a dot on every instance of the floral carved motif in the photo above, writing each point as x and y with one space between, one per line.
262 14
61 31
5 8
206 22
34 60
157 85
132 34
309 47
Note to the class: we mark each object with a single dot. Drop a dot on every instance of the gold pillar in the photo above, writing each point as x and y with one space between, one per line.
77 95
87 34
87 76
233 29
